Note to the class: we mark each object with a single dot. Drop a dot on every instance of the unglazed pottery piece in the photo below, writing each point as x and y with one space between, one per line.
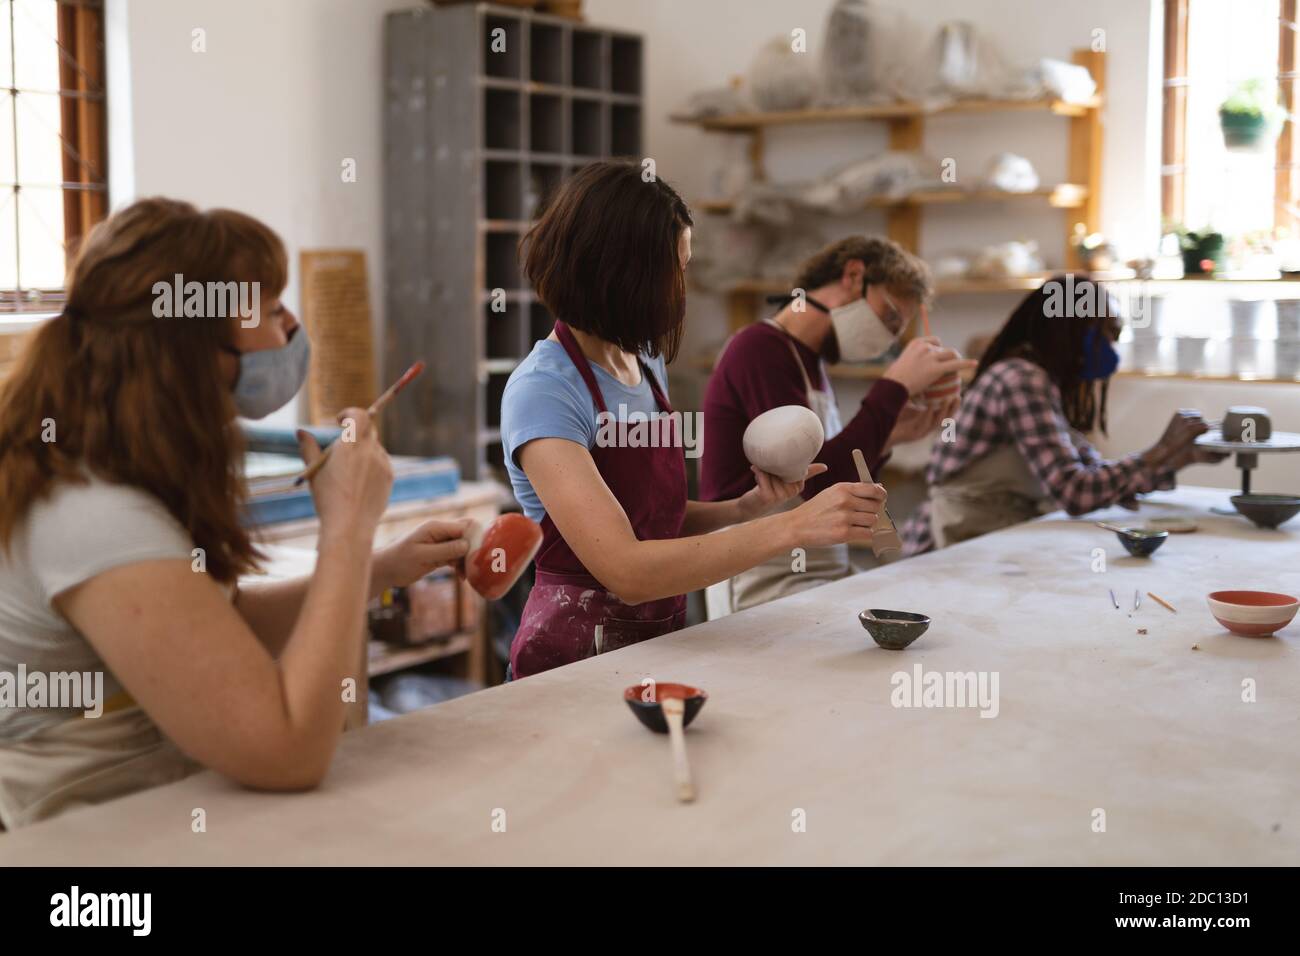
1172 525
1241 419
893 630
784 440
1252 613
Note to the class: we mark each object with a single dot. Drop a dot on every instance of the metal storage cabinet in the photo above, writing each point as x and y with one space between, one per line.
475 137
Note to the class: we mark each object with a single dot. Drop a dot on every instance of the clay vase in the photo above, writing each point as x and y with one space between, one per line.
783 441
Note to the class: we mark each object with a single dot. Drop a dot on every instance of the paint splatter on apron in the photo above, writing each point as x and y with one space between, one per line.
570 615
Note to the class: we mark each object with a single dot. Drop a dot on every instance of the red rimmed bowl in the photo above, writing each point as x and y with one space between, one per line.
646 699
1253 613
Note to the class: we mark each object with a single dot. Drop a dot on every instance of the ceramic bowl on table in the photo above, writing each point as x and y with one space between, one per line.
646 702
893 630
1140 542
1267 511
1253 613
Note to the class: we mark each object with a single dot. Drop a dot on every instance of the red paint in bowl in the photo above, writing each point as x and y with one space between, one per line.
496 562
645 700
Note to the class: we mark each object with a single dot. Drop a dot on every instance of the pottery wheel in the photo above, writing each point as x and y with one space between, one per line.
1276 442
1247 451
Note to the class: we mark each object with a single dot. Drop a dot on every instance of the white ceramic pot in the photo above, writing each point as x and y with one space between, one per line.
783 441
1288 320
1190 354
1245 318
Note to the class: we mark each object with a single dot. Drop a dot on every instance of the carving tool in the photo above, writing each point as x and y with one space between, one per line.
884 537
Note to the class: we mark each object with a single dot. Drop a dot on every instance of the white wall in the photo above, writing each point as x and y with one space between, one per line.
261 121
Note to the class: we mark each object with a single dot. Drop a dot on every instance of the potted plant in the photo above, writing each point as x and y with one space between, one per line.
1250 117
1202 251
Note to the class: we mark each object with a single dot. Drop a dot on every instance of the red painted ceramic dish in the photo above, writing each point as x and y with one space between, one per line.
1253 613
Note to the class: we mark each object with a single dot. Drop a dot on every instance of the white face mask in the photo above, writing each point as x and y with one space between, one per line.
861 334
269 378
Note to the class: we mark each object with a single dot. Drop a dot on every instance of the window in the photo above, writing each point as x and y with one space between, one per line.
53 143
1217 171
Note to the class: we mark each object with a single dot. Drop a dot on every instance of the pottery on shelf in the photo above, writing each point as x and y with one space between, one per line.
1267 511
646 702
1252 613
784 440
893 630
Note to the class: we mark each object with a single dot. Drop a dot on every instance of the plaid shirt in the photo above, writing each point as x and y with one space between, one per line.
1014 400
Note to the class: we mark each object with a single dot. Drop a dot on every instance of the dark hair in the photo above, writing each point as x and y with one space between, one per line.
603 257
1048 328
887 263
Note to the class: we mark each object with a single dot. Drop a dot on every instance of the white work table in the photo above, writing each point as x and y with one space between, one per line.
1092 716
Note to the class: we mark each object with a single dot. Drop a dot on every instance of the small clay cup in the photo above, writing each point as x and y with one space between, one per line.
893 630
1235 419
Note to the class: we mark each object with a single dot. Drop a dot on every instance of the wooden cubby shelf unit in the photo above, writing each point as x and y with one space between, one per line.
487 110
906 122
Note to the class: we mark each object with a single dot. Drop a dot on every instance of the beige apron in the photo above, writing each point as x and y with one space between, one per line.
994 492
84 761
777 577
87 760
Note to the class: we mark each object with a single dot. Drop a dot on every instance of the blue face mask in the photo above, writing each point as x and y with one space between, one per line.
270 378
1099 357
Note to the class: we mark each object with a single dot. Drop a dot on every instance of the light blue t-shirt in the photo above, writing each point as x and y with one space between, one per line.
547 398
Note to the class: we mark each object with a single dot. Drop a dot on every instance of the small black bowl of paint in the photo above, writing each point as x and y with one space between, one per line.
893 630
646 700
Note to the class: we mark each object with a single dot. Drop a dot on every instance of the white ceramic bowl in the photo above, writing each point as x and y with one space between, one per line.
1253 613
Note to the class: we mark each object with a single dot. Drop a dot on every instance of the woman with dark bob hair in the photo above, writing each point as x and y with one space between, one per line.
621 544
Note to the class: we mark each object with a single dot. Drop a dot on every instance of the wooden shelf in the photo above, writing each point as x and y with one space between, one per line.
749 122
1027 283
1064 196
906 124
386 658
1186 377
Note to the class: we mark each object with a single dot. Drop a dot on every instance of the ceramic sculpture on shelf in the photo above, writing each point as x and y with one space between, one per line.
783 441
780 78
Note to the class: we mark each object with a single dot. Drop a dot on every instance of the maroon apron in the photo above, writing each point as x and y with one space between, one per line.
570 615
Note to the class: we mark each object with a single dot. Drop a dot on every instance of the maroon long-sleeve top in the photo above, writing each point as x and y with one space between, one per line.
756 373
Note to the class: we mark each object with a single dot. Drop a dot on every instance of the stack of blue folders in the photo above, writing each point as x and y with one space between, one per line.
272 464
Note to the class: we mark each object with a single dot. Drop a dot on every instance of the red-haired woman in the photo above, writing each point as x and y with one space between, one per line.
622 545
121 537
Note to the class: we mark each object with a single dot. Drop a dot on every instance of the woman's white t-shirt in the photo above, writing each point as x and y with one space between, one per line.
77 532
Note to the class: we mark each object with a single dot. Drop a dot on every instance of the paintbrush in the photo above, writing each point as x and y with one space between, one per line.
884 537
375 408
